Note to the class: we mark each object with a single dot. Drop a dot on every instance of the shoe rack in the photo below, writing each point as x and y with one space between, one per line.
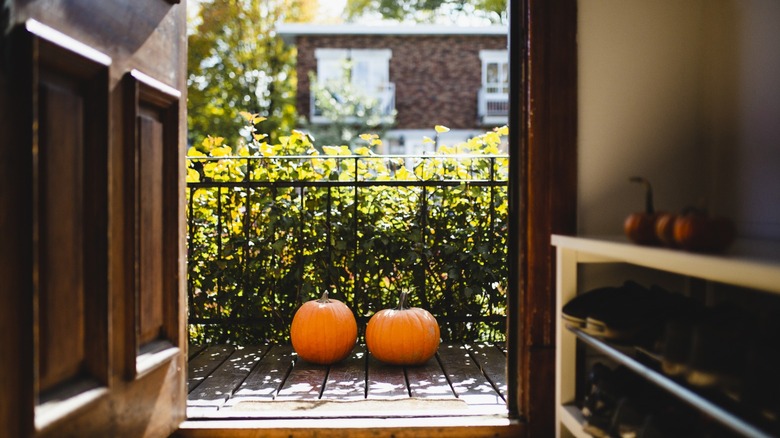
754 265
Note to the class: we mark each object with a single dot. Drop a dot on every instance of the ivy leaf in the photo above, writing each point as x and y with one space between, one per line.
331 150
363 151
192 152
193 176
221 151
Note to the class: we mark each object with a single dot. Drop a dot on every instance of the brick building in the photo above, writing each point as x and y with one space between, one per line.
430 75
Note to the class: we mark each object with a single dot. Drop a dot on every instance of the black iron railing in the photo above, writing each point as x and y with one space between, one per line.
267 233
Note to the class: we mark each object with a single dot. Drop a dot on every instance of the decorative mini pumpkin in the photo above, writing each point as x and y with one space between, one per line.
404 335
695 230
640 226
664 229
323 331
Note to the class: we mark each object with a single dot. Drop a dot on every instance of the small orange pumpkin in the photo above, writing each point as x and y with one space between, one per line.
664 229
695 230
404 335
640 226
323 331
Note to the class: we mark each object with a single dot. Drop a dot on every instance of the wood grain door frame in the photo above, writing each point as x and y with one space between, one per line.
543 194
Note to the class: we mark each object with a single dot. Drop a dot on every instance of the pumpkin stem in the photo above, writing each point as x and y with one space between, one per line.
649 209
402 301
324 298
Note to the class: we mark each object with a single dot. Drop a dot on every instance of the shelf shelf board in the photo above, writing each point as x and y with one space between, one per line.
751 264
704 405
572 419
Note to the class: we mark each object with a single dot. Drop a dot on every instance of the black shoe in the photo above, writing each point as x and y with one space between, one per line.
610 318
677 339
576 311
629 417
608 387
636 316
761 391
719 348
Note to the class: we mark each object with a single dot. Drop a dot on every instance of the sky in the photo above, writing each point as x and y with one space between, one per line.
331 8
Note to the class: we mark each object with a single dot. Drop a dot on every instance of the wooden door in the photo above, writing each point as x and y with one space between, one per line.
92 310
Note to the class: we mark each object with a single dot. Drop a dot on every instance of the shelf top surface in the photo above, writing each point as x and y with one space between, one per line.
752 264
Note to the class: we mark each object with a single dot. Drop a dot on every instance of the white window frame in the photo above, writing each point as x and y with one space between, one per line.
328 57
494 95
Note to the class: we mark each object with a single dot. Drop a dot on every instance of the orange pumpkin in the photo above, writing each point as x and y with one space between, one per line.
640 226
664 229
404 335
696 231
323 331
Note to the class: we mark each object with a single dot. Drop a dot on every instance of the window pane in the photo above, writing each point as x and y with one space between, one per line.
492 73
330 70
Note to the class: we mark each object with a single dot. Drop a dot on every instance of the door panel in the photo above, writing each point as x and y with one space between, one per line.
61 262
150 230
70 302
152 134
92 323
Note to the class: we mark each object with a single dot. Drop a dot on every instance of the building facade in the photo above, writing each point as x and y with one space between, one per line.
425 75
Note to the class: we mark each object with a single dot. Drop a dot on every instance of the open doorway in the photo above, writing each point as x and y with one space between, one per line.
277 217
518 328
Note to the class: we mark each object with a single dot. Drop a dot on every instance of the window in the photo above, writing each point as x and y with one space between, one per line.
494 94
367 71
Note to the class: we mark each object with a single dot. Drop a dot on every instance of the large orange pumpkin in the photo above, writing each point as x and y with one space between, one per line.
404 335
323 331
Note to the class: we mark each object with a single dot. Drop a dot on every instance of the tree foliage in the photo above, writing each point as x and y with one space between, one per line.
268 232
236 62
494 11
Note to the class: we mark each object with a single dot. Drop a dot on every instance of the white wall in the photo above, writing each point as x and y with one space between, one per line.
685 93
743 102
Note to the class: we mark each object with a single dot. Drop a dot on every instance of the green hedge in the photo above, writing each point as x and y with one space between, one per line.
257 250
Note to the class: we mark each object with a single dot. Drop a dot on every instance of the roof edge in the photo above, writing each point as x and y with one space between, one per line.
290 30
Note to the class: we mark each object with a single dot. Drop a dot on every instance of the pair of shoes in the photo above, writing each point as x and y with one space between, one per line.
640 317
708 347
593 310
629 312
622 404
576 311
761 380
607 388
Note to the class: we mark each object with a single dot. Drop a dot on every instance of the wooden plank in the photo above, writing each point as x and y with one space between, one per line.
466 378
429 381
205 363
385 381
304 382
265 379
492 361
194 349
347 379
219 386
453 427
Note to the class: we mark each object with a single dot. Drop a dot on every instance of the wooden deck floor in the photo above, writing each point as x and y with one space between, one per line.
270 382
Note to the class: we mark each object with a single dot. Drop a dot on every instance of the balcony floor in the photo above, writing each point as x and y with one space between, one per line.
270 382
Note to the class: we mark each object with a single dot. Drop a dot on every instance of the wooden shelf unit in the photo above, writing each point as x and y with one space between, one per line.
754 265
